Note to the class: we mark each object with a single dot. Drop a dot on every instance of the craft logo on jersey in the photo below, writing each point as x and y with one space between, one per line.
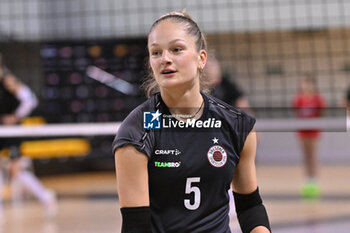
151 120
217 156
167 152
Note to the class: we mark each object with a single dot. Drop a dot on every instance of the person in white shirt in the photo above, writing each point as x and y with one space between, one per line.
17 101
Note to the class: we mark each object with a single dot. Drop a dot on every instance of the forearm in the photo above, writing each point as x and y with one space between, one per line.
251 213
136 219
9 119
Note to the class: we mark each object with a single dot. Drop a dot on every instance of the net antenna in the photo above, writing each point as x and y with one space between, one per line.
112 81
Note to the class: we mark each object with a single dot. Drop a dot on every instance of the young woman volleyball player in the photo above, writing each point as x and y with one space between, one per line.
178 153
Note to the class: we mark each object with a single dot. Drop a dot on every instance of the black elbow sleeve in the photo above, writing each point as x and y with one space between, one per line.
136 220
250 211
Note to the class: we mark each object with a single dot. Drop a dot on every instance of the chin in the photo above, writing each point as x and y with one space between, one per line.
174 82
168 85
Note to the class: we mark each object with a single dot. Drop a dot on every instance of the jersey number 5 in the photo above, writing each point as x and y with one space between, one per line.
192 189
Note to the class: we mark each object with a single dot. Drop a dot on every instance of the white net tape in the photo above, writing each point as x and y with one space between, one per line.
100 129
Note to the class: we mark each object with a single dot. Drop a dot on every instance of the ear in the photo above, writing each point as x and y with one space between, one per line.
202 59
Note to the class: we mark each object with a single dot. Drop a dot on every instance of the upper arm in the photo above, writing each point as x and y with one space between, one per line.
132 177
244 180
12 84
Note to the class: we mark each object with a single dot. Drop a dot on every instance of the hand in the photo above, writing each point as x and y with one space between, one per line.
260 229
9 119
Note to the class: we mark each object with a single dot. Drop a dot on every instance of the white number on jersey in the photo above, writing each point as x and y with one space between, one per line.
193 189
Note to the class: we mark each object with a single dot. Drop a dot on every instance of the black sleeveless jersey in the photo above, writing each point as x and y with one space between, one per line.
191 164
8 102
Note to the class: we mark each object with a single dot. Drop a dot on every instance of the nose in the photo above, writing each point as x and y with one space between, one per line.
165 58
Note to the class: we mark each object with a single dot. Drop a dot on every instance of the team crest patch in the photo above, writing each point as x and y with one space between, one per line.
217 156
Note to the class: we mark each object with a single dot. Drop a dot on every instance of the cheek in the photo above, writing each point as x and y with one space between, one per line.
154 64
190 62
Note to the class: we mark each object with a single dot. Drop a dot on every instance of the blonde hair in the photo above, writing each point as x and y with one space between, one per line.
150 85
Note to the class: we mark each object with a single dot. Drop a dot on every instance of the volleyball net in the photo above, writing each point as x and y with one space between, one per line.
326 124
85 60
266 46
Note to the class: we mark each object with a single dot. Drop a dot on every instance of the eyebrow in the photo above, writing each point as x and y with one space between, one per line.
173 41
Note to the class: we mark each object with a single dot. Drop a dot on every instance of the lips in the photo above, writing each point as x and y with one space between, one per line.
168 71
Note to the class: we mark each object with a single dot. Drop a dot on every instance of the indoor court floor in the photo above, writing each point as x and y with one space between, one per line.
88 204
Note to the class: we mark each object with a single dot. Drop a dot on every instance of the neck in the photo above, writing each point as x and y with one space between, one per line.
186 102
